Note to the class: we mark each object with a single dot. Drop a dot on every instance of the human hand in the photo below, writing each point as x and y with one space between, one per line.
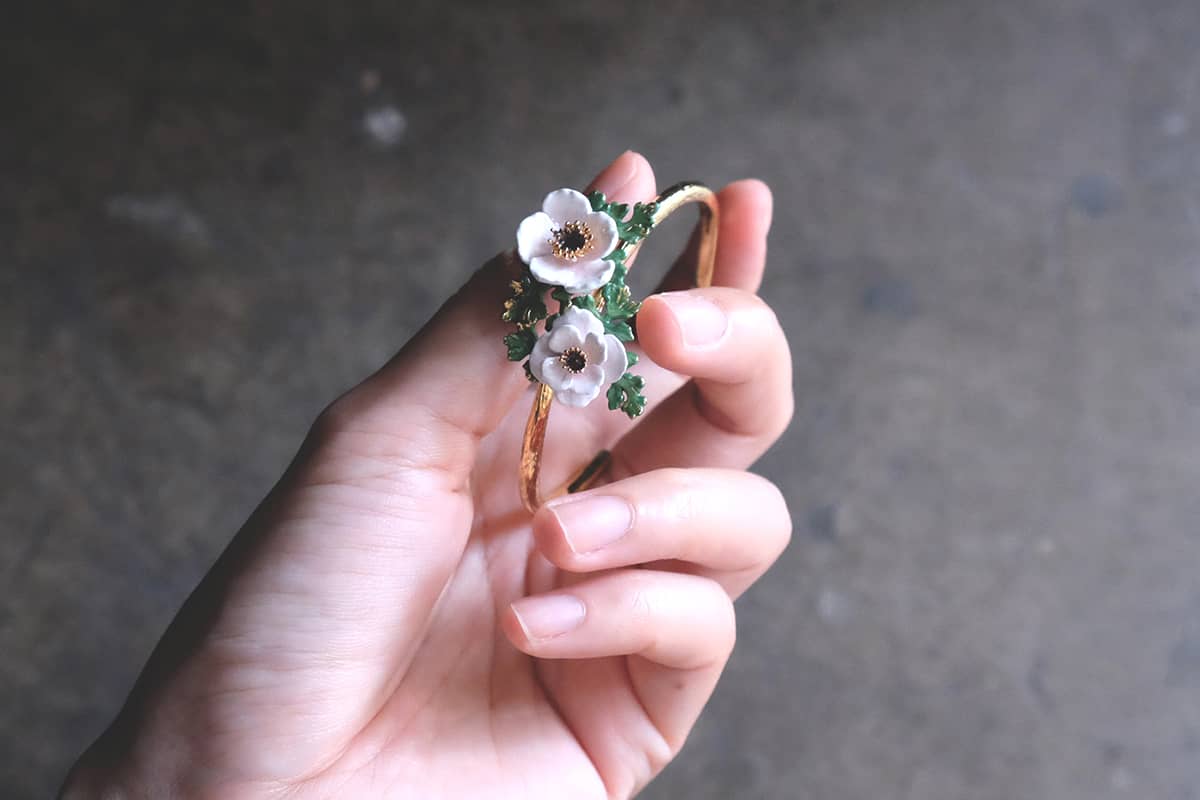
392 622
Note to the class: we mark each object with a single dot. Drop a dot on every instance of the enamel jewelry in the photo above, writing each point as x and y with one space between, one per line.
576 252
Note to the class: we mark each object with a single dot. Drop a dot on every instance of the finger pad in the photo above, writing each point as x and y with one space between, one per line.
659 333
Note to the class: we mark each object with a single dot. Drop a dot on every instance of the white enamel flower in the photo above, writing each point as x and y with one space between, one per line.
576 358
566 243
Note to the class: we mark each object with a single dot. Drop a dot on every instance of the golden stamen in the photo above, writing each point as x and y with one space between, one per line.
573 359
572 241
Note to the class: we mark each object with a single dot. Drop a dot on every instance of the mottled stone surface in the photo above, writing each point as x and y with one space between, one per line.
987 254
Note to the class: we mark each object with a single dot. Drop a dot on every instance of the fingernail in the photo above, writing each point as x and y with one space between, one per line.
702 321
592 522
549 615
617 175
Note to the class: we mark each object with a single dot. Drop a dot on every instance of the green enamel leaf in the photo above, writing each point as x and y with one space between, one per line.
631 358
520 343
642 218
633 229
586 301
619 329
562 297
618 302
626 394
525 306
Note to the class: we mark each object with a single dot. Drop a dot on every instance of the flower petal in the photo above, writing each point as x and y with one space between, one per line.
539 356
615 361
534 235
558 377
579 277
566 205
554 271
592 377
593 347
590 276
582 320
576 397
564 336
604 233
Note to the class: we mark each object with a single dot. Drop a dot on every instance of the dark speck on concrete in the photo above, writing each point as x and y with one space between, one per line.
822 522
1035 681
1183 665
892 297
1096 195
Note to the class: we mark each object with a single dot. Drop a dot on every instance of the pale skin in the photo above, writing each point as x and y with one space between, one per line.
391 622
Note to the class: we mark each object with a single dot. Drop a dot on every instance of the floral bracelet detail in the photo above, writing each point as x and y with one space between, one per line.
576 252
575 249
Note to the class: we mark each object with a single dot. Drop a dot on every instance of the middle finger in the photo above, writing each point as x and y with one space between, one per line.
695 516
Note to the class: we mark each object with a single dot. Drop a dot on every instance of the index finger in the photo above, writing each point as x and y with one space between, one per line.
739 400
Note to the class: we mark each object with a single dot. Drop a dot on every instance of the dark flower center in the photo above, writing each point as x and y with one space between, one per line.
573 359
572 241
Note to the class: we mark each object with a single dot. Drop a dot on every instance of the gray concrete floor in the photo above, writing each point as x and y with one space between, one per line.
987 254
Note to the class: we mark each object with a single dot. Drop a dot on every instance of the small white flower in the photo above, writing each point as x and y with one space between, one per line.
576 358
567 244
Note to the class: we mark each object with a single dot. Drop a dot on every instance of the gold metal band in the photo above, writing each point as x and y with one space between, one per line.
667 203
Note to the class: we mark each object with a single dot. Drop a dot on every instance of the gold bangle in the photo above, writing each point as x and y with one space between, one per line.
581 255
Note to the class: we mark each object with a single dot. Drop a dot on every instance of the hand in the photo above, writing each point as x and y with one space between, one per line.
391 622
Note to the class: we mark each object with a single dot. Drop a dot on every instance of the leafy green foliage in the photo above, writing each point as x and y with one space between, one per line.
619 307
618 302
618 328
632 230
586 301
520 343
638 225
562 297
525 307
626 394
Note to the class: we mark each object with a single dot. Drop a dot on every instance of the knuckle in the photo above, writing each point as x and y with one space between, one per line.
342 424
673 481
764 317
641 603
680 494
334 419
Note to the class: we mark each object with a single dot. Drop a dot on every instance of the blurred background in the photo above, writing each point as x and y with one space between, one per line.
214 217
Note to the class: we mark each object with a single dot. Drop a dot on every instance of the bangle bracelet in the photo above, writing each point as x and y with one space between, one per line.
578 249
